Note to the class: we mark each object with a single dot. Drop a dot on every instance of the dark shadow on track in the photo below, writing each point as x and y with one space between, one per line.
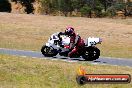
99 61
66 58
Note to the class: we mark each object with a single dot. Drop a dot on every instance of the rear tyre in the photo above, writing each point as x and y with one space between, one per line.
91 53
48 51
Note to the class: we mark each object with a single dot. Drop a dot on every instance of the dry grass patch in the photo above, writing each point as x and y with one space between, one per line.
29 32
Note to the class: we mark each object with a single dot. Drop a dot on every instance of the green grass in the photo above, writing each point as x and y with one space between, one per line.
20 72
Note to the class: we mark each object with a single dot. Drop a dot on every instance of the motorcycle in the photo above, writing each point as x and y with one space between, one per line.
60 44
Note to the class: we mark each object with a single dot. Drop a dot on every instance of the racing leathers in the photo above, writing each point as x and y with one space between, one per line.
76 43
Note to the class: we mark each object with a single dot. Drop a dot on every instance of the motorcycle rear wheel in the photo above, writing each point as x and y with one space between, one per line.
91 53
48 51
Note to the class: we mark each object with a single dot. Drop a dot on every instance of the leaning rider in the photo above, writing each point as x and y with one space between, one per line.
76 42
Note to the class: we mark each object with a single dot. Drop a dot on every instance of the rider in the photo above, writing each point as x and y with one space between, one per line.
76 42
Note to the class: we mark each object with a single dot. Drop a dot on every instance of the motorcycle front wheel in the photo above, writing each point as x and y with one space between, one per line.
48 51
91 53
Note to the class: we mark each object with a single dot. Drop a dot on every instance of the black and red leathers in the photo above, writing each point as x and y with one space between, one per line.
76 43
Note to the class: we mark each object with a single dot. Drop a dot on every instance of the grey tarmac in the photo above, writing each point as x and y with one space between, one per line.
101 60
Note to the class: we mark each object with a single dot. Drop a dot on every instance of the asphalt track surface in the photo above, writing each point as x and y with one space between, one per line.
101 60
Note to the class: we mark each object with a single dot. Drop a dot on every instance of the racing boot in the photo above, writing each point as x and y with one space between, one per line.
73 54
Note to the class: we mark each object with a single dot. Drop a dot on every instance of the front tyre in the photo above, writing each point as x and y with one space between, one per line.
91 53
48 51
